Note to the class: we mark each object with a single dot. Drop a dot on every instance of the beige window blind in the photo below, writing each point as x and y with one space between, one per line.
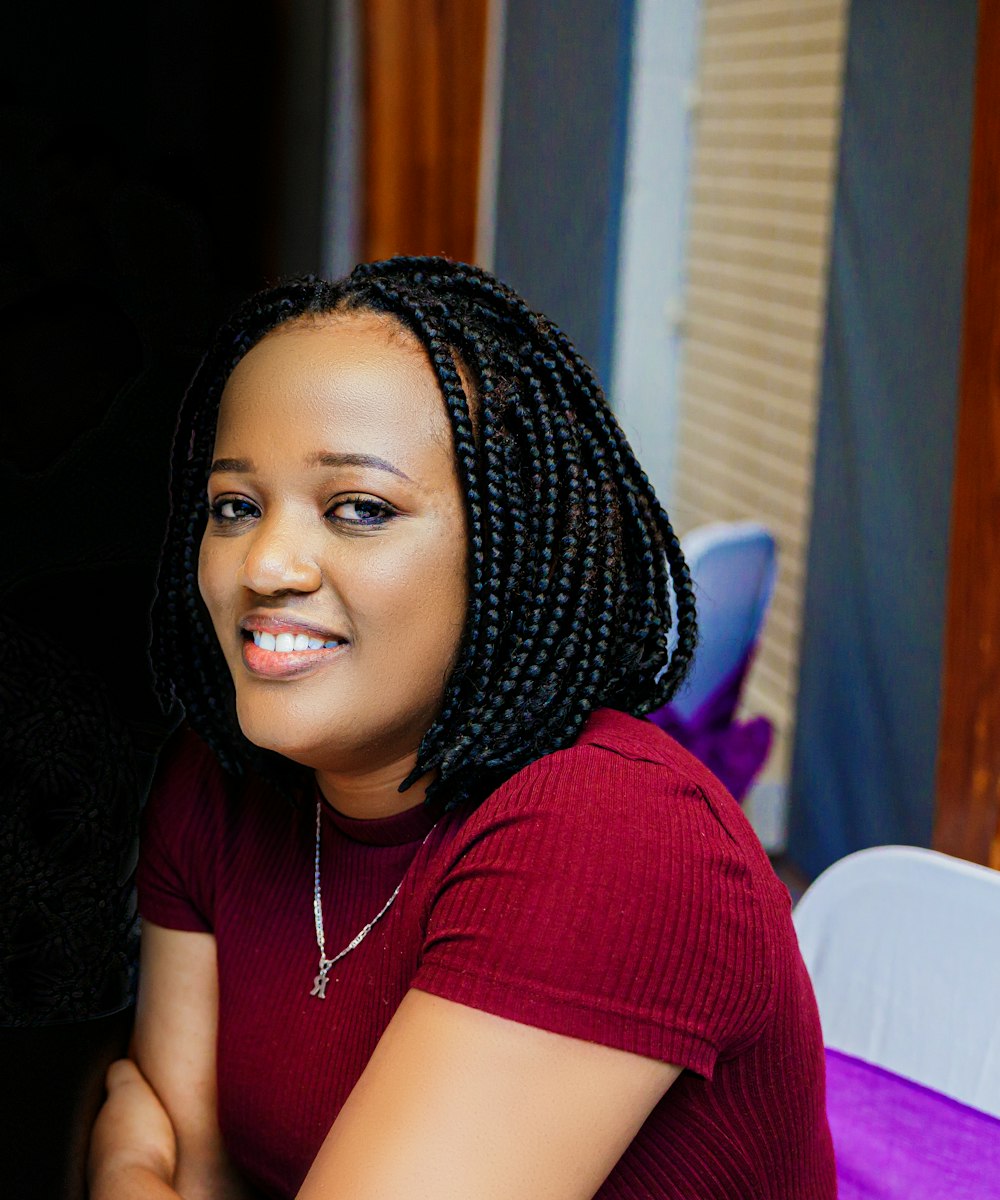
765 149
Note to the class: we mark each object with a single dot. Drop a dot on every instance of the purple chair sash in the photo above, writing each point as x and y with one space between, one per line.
734 751
897 1140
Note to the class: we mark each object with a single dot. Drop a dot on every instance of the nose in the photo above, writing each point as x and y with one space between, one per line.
279 559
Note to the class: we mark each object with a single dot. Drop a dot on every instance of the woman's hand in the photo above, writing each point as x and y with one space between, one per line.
132 1133
174 1045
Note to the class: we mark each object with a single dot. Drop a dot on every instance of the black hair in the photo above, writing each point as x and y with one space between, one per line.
573 565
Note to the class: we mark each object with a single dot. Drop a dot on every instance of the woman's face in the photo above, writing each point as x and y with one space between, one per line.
333 564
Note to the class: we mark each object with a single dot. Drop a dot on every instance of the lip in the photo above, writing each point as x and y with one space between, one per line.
274 664
287 623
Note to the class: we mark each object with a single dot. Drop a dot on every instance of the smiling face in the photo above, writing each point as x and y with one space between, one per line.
333 564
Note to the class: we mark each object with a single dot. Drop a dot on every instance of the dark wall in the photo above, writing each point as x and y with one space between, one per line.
141 185
562 154
868 710
137 205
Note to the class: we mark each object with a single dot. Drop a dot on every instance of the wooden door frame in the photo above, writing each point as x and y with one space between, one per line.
967 815
424 68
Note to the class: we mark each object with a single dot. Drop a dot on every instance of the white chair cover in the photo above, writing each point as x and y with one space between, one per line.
733 566
903 947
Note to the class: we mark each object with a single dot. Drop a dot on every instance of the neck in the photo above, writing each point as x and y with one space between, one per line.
373 794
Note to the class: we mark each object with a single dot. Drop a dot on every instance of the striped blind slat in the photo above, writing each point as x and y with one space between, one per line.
758 312
769 42
699 510
748 453
757 14
816 131
763 167
810 195
756 251
781 348
783 383
781 100
709 472
790 70
747 280
734 405
776 226
747 162
755 426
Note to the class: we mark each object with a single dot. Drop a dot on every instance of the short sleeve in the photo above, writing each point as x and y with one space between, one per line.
175 880
602 897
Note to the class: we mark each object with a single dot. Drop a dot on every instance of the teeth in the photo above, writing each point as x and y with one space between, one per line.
285 643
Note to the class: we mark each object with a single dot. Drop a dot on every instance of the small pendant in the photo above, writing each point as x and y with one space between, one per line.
320 982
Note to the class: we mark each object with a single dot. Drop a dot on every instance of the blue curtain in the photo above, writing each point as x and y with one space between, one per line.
868 709
567 65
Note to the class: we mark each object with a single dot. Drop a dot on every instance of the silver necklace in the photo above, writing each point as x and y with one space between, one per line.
320 982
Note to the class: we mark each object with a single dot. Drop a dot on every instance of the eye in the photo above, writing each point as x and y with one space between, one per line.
229 510
361 510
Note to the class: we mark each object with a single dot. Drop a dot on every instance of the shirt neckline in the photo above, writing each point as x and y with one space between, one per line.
410 825
606 727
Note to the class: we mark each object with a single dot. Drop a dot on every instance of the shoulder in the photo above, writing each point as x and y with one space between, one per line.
181 831
189 791
186 767
197 810
613 747
611 891
624 816
625 781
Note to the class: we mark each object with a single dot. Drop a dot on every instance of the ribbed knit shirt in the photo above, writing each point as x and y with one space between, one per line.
612 891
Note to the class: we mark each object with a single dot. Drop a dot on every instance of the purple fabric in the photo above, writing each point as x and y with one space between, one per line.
734 751
897 1140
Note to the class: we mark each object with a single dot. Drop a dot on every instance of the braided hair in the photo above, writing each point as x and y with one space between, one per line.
573 566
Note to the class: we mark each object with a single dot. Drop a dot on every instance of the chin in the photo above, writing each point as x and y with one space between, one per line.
286 738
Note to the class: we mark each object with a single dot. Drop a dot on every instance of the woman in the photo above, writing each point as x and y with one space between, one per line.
426 911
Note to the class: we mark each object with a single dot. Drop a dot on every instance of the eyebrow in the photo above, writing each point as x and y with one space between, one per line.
243 466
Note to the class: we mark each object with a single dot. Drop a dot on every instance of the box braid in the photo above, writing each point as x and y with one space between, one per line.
574 568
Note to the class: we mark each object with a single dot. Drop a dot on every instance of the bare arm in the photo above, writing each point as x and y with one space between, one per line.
457 1103
133 1151
174 1048
454 1103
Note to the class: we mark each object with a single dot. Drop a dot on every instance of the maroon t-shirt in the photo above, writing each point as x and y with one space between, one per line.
612 891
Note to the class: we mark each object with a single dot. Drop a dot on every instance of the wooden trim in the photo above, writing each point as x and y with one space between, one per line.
424 64
967 817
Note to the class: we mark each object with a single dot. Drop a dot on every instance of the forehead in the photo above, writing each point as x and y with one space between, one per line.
338 373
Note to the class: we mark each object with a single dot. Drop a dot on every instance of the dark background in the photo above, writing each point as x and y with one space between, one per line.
140 167
142 195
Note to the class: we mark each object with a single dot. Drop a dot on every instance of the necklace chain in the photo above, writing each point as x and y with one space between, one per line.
320 982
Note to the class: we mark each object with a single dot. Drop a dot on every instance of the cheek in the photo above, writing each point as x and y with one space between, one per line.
212 575
422 602
443 605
